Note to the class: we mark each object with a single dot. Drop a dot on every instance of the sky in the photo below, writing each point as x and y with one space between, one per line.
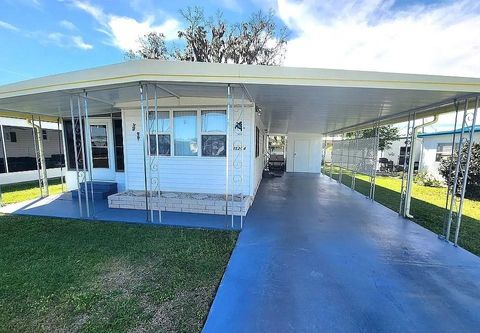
42 37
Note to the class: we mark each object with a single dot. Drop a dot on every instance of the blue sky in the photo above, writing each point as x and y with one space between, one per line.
41 37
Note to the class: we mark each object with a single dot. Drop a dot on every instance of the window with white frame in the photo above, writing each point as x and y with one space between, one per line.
159 142
185 133
214 133
444 150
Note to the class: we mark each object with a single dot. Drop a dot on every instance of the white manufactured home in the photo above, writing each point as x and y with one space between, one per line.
191 137
436 146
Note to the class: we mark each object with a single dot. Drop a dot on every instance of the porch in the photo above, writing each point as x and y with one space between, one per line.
65 206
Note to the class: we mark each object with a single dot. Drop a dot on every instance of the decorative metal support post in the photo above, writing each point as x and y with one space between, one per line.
144 113
88 135
373 174
465 170
449 177
153 150
406 160
60 152
229 150
342 150
355 162
40 157
460 166
236 129
156 164
324 149
77 170
84 162
331 160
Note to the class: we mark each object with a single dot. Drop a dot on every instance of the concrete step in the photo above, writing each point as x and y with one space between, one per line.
101 190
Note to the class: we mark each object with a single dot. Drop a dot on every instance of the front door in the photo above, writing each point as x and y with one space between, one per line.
102 150
301 156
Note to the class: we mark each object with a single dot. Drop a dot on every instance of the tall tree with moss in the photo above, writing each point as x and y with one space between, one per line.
258 40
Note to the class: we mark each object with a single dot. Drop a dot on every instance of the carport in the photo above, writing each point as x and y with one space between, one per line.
313 254
288 100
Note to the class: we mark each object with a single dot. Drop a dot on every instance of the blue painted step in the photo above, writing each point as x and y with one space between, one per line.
101 190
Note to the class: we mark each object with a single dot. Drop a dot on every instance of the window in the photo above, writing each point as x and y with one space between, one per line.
443 151
44 134
118 141
11 136
99 146
257 142
214 138
159 142
68 133
185 133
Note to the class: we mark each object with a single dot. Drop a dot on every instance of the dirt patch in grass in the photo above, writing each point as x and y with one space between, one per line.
164 317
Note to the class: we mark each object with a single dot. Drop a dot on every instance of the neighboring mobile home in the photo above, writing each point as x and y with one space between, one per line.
17 151
438 145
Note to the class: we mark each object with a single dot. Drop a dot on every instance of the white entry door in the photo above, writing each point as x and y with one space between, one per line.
301 156
102 150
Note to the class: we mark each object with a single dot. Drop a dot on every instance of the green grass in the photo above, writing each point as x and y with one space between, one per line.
13 193
64 275
427 206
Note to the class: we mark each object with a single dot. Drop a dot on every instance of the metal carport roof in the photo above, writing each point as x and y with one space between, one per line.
291 99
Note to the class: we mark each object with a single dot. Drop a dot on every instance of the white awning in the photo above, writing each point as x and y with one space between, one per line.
302 100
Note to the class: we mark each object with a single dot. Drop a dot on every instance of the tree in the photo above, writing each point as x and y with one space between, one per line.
447 170
386 135
152 46
257 40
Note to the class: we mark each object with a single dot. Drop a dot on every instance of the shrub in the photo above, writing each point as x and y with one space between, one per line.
425 179
447 170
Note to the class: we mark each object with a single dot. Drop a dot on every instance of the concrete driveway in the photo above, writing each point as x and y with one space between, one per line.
316 256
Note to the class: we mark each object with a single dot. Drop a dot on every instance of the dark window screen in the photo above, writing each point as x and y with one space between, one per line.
118 138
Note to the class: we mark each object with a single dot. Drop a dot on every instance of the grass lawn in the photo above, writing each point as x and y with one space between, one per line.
427 207
12 193
76 276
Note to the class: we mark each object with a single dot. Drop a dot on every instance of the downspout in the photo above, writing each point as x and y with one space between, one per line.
411 164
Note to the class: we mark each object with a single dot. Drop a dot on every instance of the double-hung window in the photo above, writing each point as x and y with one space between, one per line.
159 141
214 129
185 133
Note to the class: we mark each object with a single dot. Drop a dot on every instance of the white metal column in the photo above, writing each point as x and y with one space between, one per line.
461 169
406 161
236 130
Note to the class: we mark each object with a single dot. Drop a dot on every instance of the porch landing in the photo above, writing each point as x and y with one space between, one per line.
65 206
316 256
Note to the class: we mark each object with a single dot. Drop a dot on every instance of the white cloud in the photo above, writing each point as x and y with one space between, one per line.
67 25
374 35
78 42
124 31
8 26
62 40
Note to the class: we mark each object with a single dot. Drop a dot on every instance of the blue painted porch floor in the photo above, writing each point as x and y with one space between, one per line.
315 256
65 206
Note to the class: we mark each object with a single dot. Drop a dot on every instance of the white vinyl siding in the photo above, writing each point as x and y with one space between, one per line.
196 174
